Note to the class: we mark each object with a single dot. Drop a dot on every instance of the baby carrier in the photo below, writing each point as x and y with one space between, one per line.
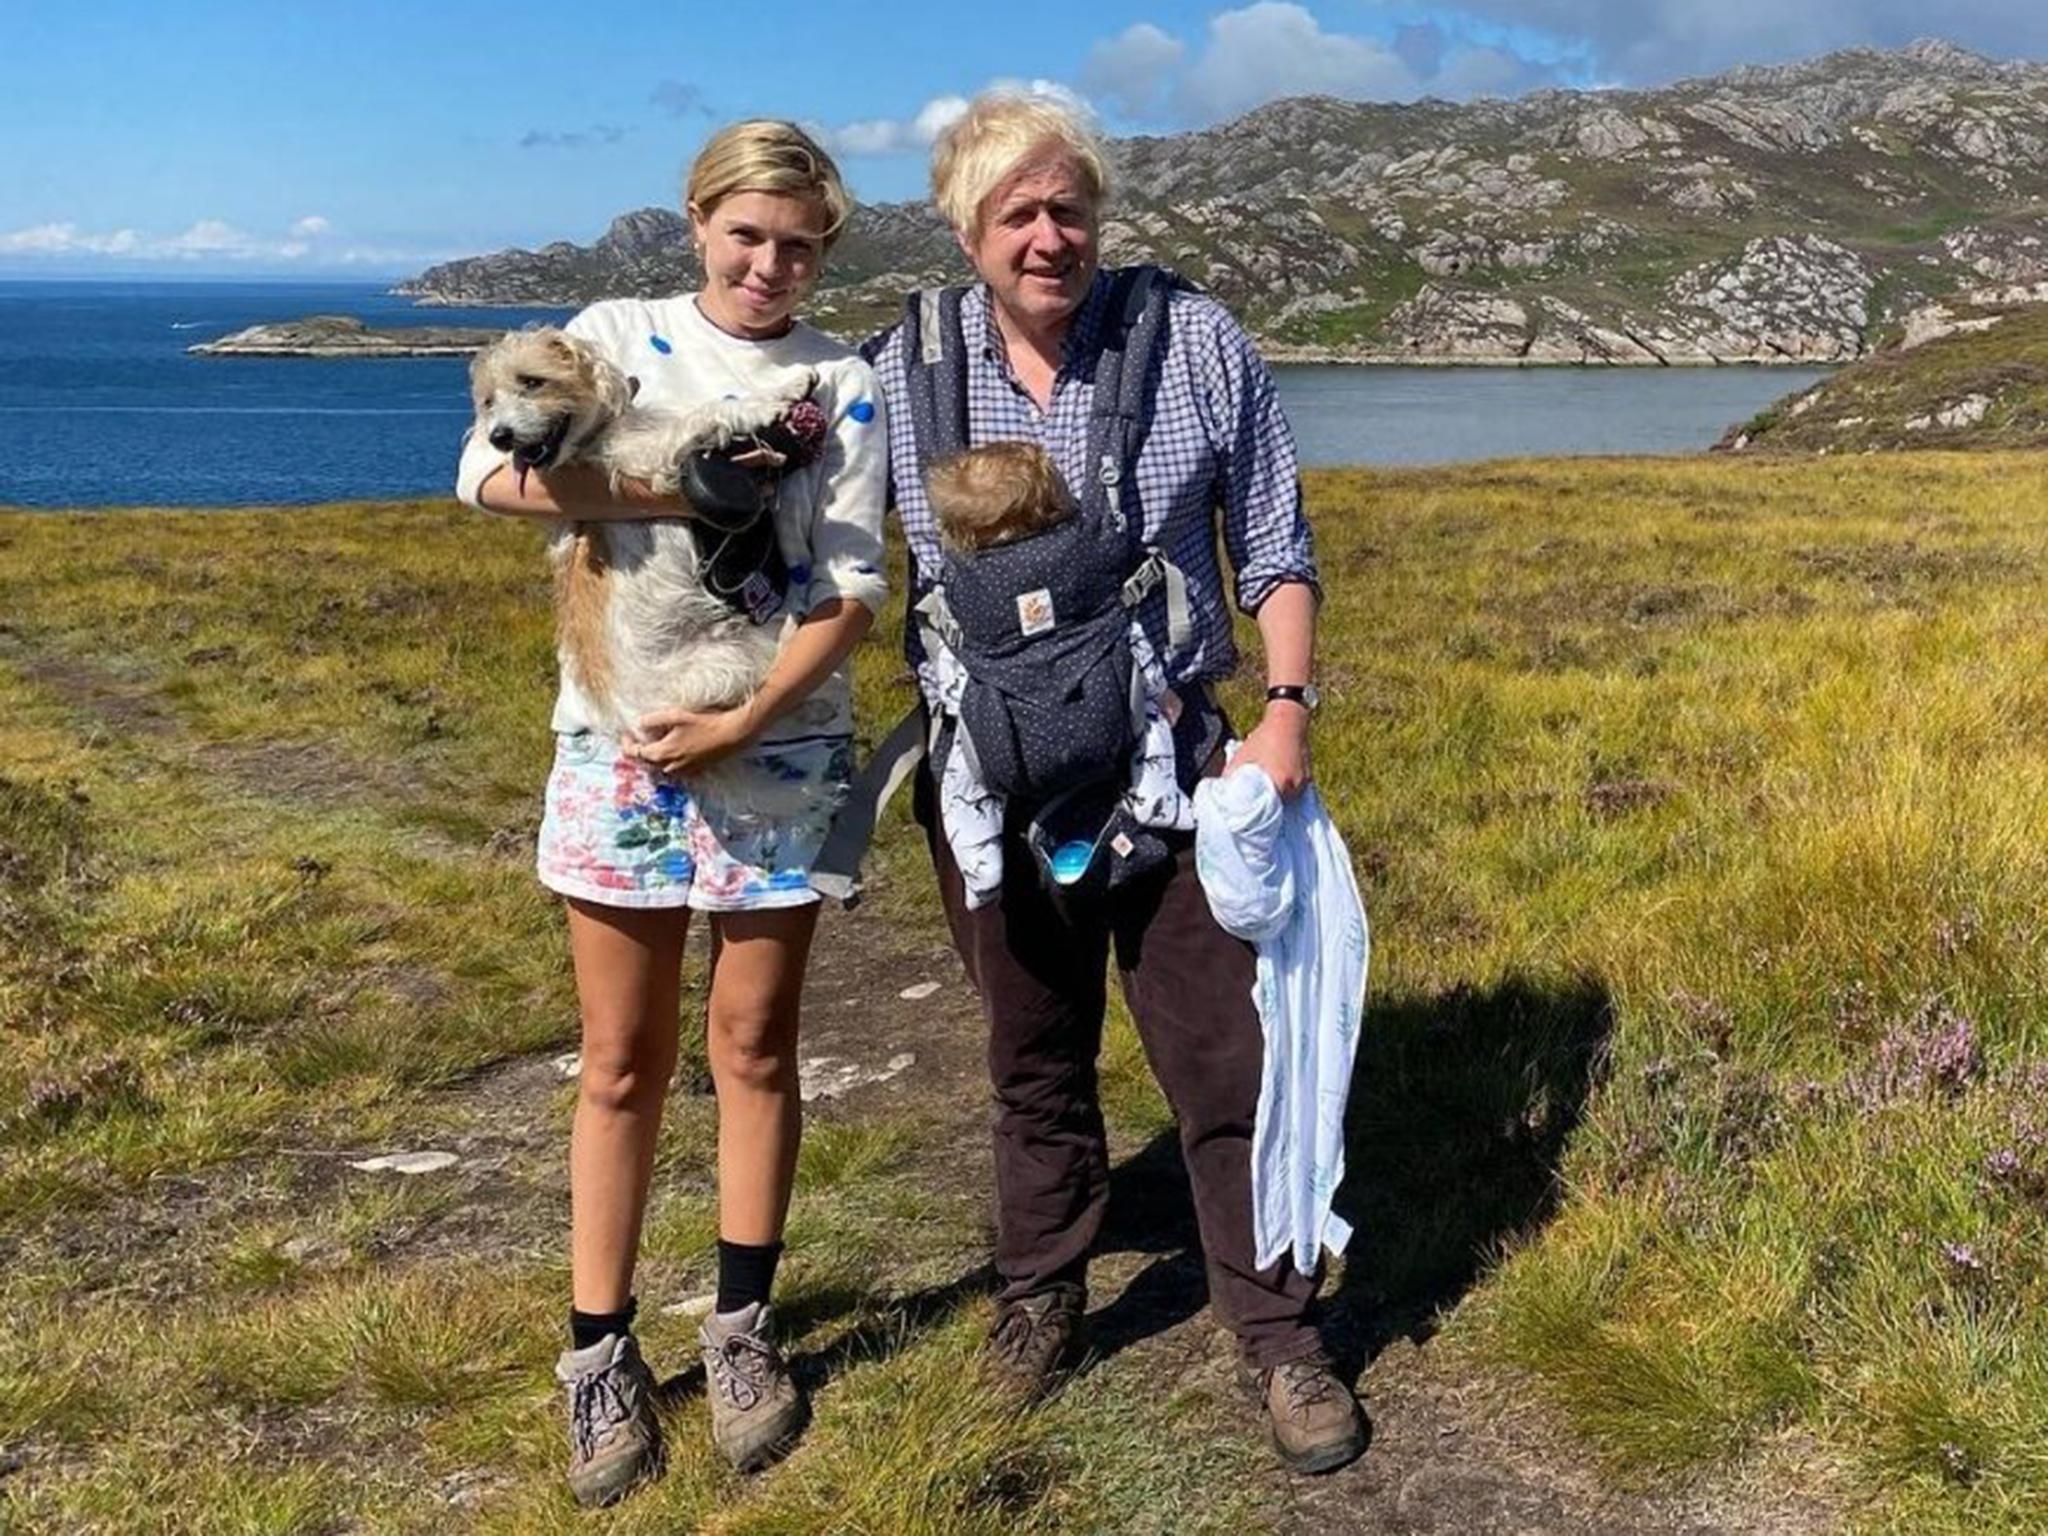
1053 700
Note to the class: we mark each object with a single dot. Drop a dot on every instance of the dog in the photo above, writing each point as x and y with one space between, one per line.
637 628
996 494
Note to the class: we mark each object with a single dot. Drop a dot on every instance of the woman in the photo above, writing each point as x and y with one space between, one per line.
634 851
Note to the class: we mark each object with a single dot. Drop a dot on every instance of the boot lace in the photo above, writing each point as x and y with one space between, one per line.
598 1404
743 1368
1307 1386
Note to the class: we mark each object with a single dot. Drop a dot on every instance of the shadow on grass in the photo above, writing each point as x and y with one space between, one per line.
1462 1106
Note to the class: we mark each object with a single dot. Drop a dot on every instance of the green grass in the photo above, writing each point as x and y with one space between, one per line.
1702 812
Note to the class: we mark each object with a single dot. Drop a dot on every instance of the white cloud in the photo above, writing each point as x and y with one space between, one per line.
914 134
1133 73
1273 49
66 238
894 135
1647 42
210 237
213 241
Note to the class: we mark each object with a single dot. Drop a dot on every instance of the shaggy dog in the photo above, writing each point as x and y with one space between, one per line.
995 495
638 629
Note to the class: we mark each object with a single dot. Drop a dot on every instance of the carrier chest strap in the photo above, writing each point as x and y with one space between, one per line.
1159 571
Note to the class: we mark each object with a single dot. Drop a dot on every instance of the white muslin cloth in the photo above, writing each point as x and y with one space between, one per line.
1278 875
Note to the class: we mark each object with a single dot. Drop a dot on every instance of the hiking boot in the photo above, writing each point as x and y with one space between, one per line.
614 1437
756 1406
1028 1342
1315 1423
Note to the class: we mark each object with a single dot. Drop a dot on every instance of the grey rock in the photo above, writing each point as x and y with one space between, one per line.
1636 211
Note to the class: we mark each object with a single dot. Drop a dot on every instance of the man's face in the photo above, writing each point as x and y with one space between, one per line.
1036 242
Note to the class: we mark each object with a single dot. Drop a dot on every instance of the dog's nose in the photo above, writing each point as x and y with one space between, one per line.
502 439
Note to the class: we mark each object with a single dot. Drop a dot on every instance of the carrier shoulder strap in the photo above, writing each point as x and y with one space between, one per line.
1134 329
935 360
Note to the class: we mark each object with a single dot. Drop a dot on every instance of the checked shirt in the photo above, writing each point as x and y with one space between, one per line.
1215 443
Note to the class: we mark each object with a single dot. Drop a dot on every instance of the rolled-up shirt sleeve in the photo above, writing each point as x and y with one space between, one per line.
1265 528
846 522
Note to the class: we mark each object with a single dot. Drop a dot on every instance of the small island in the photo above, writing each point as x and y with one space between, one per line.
346 336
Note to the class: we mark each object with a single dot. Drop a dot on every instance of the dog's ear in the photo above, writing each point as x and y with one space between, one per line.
612 386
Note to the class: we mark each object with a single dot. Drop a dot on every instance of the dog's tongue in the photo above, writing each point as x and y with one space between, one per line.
521 467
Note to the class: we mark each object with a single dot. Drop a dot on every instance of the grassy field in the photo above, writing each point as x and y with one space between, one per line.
1703 814
1974 390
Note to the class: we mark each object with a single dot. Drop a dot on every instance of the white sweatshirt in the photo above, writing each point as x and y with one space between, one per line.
683 360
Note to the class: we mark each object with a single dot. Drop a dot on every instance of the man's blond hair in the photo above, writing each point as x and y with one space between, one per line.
765 154
998 132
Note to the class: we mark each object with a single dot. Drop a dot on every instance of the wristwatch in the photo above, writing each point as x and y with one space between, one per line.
1304 694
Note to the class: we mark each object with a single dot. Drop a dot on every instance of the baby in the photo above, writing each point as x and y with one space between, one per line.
1035 668
996 495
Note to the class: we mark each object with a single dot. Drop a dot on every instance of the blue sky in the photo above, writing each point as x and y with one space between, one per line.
218 137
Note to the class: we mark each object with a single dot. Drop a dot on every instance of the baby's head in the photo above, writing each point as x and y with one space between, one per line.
997 494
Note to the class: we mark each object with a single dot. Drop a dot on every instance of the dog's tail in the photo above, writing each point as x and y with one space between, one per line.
580 613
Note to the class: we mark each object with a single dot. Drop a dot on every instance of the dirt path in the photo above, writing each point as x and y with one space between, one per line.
1456 1452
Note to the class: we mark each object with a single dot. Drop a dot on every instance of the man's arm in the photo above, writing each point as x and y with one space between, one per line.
1279 742
1266 534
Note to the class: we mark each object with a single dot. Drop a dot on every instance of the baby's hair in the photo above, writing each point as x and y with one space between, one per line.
993 494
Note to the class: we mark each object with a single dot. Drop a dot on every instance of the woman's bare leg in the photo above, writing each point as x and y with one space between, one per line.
629 966
757 978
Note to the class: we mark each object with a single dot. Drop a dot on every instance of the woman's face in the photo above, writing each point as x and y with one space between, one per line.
762 251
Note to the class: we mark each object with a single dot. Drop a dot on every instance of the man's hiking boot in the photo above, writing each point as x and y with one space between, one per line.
1028 1342
756 1406
614 1437
1315 1423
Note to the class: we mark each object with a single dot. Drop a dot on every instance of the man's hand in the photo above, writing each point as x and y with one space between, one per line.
1279 744
684 741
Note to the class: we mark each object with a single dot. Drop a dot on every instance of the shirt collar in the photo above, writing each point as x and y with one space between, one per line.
1081 336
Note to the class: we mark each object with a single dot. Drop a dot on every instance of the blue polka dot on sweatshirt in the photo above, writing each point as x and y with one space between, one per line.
862 411
661 344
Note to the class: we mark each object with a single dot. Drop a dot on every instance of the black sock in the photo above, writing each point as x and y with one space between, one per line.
746 1273
587 1328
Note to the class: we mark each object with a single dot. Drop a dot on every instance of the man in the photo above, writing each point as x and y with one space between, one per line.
1021 179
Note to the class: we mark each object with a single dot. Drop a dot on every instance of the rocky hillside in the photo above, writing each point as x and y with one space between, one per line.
1788 214
1969 372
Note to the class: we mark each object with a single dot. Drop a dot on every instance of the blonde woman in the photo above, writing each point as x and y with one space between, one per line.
635 852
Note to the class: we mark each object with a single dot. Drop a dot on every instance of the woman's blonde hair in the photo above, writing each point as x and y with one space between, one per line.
999 130
765 154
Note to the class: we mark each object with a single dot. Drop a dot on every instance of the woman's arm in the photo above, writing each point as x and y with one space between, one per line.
683 741
579 491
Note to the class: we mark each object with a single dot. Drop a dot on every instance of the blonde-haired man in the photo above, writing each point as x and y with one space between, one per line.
1022 179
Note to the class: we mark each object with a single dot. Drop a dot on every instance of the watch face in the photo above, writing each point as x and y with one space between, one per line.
1311 696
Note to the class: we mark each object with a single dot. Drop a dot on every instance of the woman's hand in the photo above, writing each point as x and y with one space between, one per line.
1279 744
683 741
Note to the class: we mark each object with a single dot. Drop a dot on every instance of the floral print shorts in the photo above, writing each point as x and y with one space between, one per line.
622 834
